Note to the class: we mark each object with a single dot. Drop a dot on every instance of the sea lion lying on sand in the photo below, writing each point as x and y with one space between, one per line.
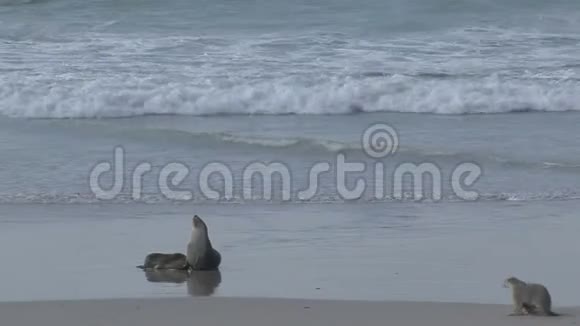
165 261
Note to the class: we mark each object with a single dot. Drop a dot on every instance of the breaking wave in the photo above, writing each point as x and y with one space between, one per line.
114 98
126 198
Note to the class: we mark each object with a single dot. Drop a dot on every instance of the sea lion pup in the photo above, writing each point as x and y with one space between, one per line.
529 297
165 261
200 254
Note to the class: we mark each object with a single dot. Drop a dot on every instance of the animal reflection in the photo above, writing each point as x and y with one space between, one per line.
199 283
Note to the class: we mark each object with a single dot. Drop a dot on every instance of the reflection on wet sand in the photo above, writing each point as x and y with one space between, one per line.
166 275
199 283
203 283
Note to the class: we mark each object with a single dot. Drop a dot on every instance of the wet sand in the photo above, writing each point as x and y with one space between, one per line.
397 252
265 312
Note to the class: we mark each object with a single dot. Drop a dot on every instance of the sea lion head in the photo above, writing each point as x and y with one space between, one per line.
198 223
512 281
199 235
198 228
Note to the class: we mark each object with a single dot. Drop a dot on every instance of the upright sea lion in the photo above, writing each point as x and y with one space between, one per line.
529 297
200 254
165 261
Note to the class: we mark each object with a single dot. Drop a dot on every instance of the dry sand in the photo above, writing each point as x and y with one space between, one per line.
265 312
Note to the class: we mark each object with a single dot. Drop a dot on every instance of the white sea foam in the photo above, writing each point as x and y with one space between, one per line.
97 70
154 198
113 97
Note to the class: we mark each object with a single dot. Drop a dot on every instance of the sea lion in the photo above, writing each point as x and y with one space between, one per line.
530 298
165 261
200 254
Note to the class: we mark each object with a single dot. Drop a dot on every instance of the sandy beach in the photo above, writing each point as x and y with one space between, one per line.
265 312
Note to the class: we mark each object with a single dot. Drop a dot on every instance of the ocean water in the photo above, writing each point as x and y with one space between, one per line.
489 83
72 59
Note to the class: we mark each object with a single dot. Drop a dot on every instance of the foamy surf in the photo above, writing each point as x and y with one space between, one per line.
549 165
90 69
112 97
327 145
157 198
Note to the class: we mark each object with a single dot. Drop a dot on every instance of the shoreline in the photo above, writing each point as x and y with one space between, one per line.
264 311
